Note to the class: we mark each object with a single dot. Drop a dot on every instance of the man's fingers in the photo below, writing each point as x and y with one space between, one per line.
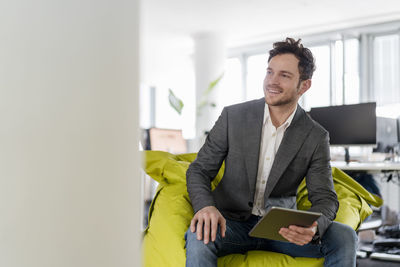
214 228
199 229
293 240
193 224
295 237
297 229
287 234
222 223
299 235
205 224
307 231
206 230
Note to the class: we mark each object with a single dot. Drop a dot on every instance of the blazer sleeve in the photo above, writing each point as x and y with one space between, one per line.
207 164
319 181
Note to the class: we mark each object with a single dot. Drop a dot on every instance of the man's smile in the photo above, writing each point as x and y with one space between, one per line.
274 90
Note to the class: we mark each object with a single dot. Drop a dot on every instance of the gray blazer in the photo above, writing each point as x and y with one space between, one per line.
235 138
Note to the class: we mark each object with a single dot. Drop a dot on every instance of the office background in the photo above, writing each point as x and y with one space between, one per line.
186 45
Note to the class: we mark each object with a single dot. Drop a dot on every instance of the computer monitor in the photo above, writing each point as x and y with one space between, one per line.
348 125
386 134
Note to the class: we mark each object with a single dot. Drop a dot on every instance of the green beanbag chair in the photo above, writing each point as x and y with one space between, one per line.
171 211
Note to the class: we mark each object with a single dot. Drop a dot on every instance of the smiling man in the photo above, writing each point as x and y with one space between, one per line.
268 145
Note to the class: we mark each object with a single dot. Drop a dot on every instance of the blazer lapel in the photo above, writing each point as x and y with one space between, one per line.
292 140
252 139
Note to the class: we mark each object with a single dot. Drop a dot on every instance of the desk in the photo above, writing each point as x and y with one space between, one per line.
367 166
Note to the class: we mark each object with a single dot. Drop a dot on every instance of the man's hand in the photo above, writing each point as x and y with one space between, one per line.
299 235
207 219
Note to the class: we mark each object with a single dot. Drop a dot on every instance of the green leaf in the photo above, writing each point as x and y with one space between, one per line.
212 84
202 104
175 102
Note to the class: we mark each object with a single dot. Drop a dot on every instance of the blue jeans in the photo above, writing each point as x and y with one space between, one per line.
338 245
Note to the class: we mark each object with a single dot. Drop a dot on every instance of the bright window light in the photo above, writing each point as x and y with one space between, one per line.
319 93
352 75
256 69
386 69
231 91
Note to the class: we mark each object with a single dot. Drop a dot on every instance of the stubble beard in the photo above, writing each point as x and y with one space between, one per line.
280 102
284 101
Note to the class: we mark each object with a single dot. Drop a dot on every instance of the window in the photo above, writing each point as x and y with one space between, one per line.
256 69
319 93
386 69
337 73
231 84
336 80
351 56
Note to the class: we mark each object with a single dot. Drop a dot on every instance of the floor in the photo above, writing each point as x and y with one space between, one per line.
376 263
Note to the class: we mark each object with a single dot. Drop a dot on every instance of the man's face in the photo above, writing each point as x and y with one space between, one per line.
282 84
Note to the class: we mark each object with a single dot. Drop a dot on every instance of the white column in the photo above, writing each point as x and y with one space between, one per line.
209 61
69 166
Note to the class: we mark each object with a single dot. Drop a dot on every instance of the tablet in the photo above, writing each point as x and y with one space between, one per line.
276 218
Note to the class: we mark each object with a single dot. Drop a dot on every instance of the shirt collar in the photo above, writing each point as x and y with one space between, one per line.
286 124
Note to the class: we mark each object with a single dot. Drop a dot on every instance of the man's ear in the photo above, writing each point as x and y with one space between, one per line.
304 86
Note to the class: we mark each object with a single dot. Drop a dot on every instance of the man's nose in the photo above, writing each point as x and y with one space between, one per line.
273 79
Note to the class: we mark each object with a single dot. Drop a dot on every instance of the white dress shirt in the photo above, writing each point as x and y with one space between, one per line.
271 138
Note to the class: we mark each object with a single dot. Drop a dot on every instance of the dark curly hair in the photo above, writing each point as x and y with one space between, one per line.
303 54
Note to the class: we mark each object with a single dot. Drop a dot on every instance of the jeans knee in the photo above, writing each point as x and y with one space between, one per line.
339 245
349 235
195 246
343 236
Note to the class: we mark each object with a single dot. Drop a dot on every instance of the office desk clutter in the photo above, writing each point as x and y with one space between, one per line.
373 141
359 126
379 236
171 211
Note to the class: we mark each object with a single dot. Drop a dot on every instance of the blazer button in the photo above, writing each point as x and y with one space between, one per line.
250 204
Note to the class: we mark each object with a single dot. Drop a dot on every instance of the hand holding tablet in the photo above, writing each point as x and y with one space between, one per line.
277 218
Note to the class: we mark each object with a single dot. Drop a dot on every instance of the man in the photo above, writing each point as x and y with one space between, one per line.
268 145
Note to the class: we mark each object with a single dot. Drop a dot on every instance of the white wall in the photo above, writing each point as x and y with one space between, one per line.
69 182
167 64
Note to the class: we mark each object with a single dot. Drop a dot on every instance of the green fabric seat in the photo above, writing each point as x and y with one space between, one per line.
170 214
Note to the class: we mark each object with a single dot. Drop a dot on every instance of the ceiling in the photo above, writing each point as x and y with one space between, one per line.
244 21
168 26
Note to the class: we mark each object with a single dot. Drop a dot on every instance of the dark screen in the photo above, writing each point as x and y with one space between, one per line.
348 124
